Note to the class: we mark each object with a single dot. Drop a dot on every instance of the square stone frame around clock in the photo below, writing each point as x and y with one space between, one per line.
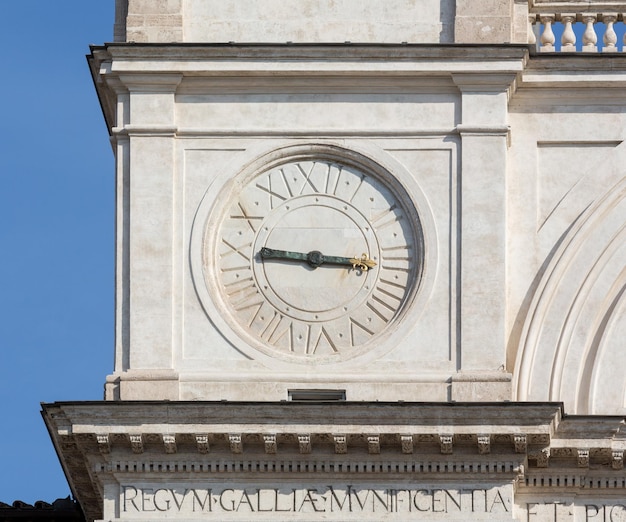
417 367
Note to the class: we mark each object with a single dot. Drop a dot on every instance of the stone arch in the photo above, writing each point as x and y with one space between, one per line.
574 337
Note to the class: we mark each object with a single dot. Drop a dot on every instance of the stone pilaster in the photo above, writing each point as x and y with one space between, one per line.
146 227
484 133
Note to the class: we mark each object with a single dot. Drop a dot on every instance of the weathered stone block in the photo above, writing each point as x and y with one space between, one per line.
481 8
155 6
483 29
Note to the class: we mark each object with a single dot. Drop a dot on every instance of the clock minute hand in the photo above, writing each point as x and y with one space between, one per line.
363 263
271 253
316 258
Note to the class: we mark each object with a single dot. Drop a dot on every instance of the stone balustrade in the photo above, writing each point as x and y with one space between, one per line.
577 26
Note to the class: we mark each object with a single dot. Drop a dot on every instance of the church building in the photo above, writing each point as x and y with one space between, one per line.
370 264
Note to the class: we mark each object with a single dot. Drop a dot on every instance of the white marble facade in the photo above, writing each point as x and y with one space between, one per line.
508 162
482 180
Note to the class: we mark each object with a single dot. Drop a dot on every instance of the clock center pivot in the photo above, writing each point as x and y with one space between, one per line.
315 258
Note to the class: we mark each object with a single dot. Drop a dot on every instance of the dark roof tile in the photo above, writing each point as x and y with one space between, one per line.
61 510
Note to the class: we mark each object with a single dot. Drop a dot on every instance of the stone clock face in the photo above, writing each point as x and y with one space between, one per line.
289 307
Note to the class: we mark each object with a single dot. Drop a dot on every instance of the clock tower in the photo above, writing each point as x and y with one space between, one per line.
338 272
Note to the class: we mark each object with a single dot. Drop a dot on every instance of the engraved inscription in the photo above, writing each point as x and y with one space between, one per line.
564 510
316 501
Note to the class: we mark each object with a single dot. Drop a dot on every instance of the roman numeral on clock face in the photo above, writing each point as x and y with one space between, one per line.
244 295
294 180
240 213
294 336
359 332
240 252
275 198
320 341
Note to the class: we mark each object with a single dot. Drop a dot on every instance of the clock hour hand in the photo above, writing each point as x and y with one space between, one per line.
316 258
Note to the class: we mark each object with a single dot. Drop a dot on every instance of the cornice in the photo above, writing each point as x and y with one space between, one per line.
575 80
249 415
489 52
533 445
537 430
291 61
119 69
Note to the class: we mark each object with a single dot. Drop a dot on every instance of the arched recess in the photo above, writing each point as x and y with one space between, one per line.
573 344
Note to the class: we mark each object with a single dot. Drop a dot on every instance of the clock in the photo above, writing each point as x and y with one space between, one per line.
313 258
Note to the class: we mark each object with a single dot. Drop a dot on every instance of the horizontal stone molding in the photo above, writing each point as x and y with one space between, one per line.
118 69
317 466
541 479
317 444
483 130
152 131
533 446
576 5
538 432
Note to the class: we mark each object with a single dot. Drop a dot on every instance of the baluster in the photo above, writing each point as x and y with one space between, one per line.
568 40
532 37
610 37
590 39
547 37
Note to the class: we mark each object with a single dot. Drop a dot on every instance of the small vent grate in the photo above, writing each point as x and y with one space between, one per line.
317 395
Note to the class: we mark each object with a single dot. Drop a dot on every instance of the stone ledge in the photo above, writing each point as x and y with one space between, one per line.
348 418
532 445
539 431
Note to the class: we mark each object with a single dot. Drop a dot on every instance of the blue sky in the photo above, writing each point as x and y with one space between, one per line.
56 231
